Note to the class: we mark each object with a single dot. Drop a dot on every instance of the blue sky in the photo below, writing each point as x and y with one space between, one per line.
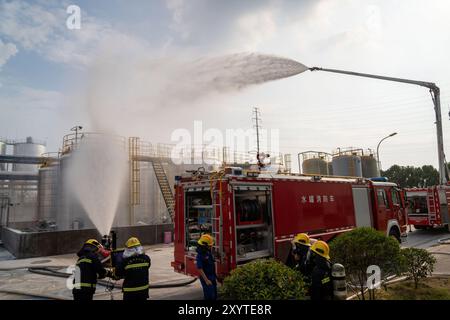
51 76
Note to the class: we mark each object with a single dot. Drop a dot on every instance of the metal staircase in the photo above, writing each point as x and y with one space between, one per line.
165 187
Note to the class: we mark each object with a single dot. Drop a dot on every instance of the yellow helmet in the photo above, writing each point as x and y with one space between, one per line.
321 248
302 238
94 243
206 239
132 242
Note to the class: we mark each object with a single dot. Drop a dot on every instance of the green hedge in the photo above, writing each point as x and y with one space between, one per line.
263 280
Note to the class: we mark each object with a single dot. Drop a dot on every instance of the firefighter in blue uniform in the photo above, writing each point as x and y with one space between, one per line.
206 266
134 269
89 269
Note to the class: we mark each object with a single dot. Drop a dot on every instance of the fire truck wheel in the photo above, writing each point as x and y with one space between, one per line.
395 233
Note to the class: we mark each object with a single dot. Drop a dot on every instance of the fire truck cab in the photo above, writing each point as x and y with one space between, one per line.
255 215
428 207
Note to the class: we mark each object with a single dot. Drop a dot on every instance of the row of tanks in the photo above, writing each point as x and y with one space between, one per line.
22 148
348 162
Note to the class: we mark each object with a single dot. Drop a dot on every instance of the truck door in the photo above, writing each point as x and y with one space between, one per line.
398 208
383 208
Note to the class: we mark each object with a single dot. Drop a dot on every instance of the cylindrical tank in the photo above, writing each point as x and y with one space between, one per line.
347 165
2 152
369 166
71 214
28 148
315 166
48 193
330 168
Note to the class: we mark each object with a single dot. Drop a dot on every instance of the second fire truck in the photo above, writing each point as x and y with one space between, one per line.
428 207
255 215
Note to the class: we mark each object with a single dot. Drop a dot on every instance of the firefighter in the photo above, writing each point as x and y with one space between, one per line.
206 267
134 269
300 252
321 285
89 269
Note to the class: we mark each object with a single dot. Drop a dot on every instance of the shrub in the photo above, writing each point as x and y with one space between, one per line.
417 264
361 248
263 280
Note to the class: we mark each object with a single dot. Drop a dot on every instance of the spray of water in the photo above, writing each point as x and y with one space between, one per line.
138 87
127 92
97 176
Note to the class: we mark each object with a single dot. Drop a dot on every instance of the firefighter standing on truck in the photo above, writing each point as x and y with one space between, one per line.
89 269
321 284
206 266
134 269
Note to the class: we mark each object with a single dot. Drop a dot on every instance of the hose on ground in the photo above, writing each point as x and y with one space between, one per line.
50 271
35 295
444 241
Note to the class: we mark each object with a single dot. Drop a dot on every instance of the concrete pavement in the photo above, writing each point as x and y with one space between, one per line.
161 272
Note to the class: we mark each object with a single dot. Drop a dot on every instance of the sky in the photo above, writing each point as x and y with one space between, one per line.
100 76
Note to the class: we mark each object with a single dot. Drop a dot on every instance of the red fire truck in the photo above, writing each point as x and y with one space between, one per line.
428 207
255 215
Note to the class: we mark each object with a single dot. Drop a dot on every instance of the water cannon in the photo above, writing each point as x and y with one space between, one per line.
109 242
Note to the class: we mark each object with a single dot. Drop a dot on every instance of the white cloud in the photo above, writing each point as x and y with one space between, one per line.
29 25
255 28
7 50
41 27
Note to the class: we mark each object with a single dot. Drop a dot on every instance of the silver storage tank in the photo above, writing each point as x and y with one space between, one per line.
71 214
315 166
330 168
28 148
347 165
2 152
369 166
48 192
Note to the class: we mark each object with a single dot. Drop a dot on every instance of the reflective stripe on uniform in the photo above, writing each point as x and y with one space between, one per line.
84 260
325 280
84 285
135 288
137 265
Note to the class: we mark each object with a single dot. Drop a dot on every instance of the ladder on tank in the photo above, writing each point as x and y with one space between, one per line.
165 187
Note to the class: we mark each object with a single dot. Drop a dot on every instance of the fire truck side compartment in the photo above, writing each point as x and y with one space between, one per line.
363 210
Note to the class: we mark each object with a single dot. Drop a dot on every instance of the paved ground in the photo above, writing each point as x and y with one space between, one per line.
160 272
425 238
12 278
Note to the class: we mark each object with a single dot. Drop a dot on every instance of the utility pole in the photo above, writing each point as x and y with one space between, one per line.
257 126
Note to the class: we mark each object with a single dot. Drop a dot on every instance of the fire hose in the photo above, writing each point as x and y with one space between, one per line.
50 271
53 271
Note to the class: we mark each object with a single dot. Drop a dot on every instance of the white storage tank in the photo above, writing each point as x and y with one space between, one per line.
369 166
48 192
315 166
315 162
348 165
28 148
2 152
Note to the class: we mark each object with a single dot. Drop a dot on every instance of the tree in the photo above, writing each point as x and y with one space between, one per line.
363 247
263 280
409 177
417 264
